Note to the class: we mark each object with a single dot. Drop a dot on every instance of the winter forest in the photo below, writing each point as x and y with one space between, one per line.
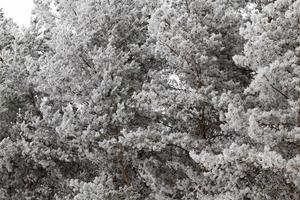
151 99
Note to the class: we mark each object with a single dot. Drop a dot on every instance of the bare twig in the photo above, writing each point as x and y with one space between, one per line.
276 89
85 61
170 48
187 4
75 13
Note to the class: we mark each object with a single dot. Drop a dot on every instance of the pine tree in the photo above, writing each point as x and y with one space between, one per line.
262 121
154 99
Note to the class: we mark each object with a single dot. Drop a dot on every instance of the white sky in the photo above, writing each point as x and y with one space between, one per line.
19 10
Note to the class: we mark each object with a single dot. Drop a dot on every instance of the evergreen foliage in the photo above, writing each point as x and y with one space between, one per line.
152 99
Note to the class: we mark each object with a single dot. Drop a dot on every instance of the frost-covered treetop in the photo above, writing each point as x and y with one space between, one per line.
153 99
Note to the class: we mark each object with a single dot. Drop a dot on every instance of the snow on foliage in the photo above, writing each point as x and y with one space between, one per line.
153 99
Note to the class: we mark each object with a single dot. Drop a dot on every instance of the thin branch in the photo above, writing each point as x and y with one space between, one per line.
75 13
166 21
86 62
170 48
276 89
187 4
179 147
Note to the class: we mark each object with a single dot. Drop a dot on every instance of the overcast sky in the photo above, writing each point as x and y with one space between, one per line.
19 10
